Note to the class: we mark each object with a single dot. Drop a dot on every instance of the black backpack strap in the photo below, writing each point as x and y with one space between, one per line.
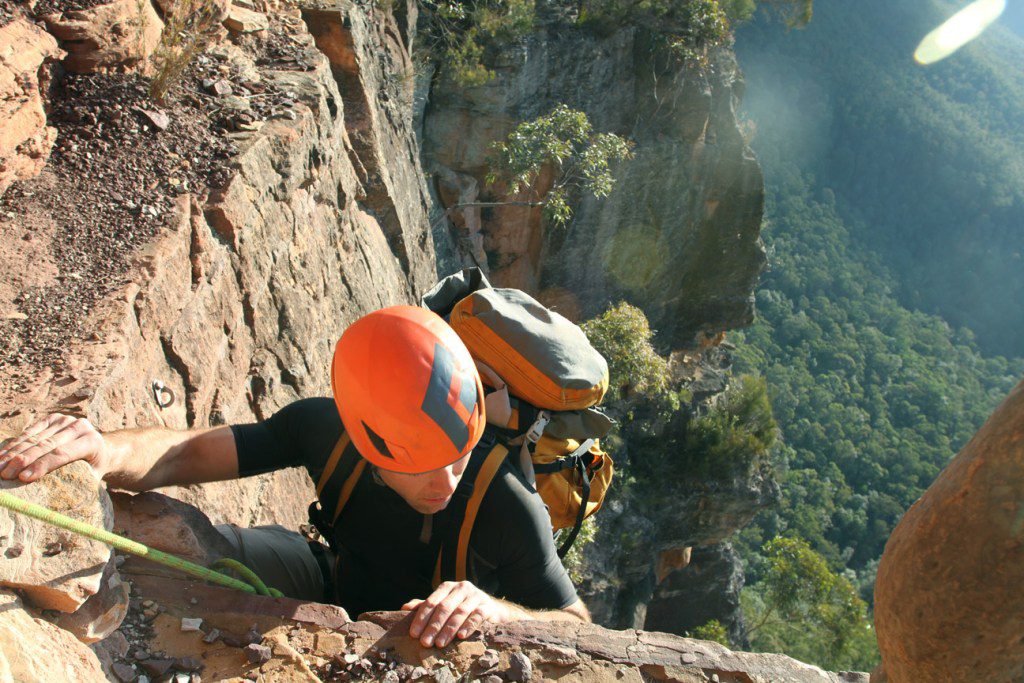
341 473
523 415
581 513
453 540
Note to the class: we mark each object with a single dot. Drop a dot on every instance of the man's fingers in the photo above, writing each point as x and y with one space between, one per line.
457 618
411 605
460 593
472 624
70 451
41 425
50 440
426 608
28 452
36 434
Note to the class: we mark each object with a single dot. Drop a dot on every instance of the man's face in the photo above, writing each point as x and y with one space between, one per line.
428 492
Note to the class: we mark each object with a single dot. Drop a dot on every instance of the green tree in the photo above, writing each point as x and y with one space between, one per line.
713 631
689 28
802 608
563 140
457 34
624 337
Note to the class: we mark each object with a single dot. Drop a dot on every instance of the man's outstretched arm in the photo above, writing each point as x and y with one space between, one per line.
458 608
133 459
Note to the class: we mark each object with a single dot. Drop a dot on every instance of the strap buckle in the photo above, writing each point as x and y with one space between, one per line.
583 449
537 428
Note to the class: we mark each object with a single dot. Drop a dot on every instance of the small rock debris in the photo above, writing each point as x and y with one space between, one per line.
520 668
257 654
189 624
108 188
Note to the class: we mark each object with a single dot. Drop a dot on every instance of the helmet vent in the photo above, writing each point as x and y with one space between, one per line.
378 443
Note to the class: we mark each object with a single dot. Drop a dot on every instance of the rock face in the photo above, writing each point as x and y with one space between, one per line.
588 652
34 651
53 568
235 309
119 34
25 140
948 604
220 8
242 20
621 572
166 524
708 588
369 56
664 509
102 613
289 641
679 234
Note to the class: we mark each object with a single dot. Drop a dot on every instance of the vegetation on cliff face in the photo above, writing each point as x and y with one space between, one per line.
623 336
460 33
724 440
565 142
680 441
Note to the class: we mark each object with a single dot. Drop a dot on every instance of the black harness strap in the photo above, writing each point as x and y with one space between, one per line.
323 511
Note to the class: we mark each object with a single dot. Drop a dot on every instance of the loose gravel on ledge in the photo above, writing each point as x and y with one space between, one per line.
119 162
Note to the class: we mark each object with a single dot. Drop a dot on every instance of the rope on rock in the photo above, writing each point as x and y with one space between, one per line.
127 545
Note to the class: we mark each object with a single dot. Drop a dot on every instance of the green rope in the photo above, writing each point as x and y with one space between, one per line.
127 545
249 575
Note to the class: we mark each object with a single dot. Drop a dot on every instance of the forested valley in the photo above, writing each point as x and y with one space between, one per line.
889 324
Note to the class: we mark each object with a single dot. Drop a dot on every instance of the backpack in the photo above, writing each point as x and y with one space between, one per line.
542 380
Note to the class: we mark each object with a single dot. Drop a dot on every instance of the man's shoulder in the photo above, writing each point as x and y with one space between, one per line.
297 434
511 501
311 425
318 407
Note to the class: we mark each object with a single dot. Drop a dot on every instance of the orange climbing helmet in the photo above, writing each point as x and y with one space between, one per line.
408 391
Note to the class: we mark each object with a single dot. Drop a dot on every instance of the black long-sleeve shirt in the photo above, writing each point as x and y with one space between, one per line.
386 558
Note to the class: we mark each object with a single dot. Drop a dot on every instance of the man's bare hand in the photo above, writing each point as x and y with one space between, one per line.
456 609
48 444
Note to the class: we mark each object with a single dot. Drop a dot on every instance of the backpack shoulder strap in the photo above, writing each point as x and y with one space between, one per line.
453 558
341 474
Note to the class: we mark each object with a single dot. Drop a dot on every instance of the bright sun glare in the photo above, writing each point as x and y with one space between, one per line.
958 30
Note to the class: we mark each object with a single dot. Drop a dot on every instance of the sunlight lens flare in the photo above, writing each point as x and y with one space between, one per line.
958 30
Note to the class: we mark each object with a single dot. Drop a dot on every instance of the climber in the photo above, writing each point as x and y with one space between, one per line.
408 395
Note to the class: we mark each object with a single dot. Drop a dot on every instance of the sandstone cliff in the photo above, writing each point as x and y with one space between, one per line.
172 629
678 236
233 308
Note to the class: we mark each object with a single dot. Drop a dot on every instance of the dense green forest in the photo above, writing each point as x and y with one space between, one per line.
926 162
872 398
1013 17
878 180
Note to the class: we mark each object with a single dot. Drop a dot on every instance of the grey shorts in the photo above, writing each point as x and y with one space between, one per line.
280 557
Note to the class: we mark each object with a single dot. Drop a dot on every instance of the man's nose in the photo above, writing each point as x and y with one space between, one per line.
445 482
